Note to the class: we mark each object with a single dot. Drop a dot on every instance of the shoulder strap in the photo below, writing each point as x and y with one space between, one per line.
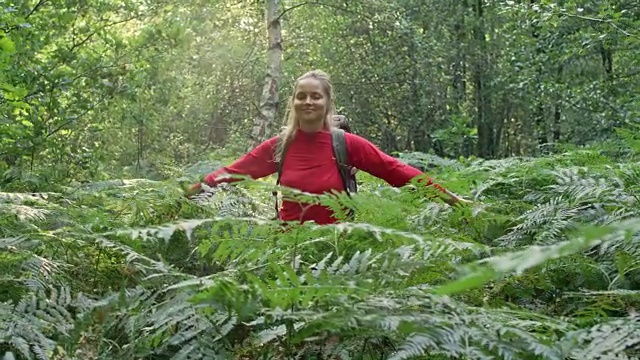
279 162
340 152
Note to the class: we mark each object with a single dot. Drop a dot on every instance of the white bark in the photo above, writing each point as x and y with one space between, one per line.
269 98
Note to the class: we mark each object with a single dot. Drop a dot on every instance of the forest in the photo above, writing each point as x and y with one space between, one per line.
110 109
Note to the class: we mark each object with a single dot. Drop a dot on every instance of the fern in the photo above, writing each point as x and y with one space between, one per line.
543 266
614 339
34 326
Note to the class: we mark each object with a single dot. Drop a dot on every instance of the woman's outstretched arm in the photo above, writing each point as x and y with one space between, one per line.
366 156
256 164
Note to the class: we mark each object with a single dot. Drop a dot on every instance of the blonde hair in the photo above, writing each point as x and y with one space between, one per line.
292 123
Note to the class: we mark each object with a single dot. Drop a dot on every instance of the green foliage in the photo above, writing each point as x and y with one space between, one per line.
542 266
130 89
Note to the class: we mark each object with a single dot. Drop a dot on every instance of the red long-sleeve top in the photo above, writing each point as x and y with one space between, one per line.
309 165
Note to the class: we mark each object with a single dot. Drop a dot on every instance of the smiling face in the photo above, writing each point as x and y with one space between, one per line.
310 101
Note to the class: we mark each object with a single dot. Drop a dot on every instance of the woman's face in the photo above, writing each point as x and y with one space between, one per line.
310 101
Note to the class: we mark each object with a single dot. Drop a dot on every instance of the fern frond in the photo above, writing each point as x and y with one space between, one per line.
25 213
520 261
34 325
21 198
615 339
546 223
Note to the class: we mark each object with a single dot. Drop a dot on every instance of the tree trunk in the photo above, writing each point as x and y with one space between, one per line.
486 136
557 112
459 64
607 60
269 98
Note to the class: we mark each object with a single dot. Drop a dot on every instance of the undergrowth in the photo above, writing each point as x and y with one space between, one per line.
543 265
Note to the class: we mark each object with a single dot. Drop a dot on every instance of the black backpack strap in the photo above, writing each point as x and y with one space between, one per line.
340 152
279 162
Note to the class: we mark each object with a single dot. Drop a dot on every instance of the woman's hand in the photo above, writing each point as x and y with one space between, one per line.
193 190
455 200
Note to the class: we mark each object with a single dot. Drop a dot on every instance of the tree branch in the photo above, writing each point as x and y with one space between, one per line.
335 7
605 21
289 9
72 119
35 8
75 46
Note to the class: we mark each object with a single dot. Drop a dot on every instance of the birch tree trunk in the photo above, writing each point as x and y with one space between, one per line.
269 99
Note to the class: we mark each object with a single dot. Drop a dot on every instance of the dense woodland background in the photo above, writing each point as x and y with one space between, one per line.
531 108
94 88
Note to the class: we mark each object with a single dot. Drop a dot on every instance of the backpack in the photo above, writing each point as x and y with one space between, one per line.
340 153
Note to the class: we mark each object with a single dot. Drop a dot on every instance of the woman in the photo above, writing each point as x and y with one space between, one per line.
309 165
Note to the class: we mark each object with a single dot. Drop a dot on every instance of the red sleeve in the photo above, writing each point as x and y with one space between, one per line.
365 156
256 164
